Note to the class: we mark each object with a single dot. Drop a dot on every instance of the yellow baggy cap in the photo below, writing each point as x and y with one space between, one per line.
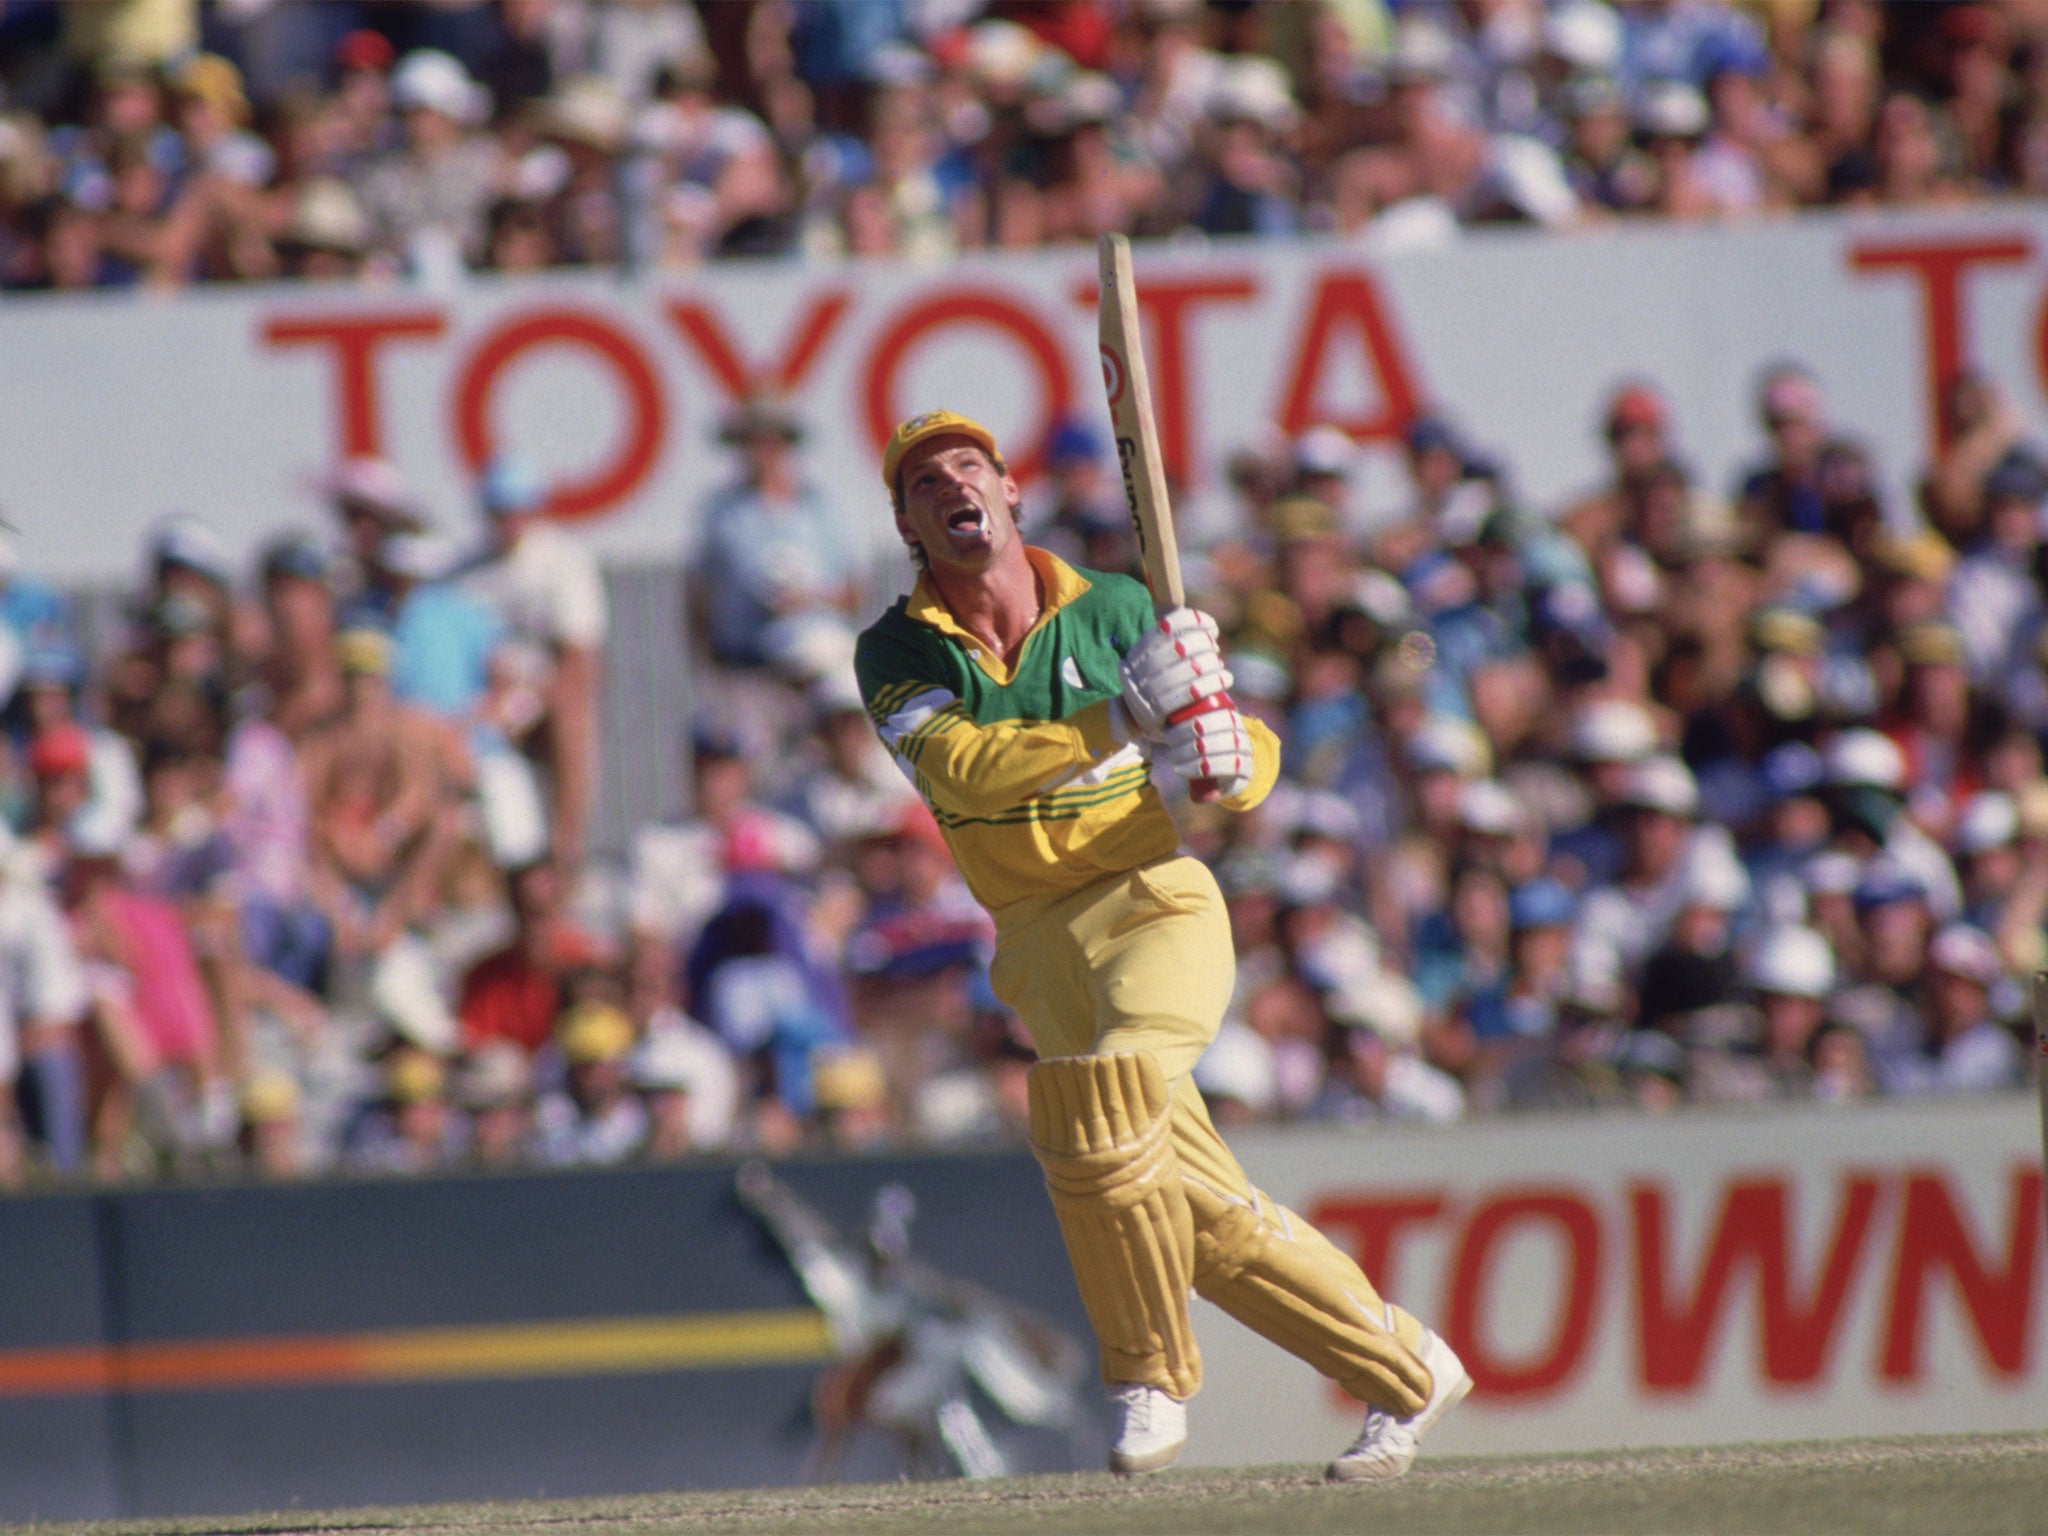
929 425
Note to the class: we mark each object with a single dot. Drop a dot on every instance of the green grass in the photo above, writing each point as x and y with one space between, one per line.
1994 1483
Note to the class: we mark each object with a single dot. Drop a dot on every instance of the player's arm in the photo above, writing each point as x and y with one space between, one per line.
963 767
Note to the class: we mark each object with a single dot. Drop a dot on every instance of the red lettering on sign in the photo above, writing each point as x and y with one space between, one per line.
1166 305
1675 1334
1938 272
353 341
984 308
738 376
1376 1228
1349 303
611 482
1550 1365
1999 1302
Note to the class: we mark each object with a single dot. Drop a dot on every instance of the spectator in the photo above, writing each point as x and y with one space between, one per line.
380 790
752 978
722 188
154 1022
1961 1047
411 1127
688 1085
299 671
855 786
370 499
545 587
1629 918
427 196
775 579
594 1118
45 999
681 872
494 1088
516 992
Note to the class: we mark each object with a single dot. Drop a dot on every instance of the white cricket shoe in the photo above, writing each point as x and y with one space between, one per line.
1151 1429
1386 1445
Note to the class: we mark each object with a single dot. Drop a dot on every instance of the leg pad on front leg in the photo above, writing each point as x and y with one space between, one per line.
1101 1128
1280 1277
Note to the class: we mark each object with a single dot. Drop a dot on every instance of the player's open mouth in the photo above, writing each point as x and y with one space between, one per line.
967 522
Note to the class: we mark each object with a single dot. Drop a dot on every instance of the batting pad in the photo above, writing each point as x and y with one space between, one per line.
1100 1126
1280 1277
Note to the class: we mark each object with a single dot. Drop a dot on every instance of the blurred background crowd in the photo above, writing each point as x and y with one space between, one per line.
162 142
1716 784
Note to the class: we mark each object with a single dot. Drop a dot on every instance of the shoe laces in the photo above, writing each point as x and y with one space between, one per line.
1378 1423
1138 1405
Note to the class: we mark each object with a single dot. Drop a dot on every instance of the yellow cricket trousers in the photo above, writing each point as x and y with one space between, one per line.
1142 962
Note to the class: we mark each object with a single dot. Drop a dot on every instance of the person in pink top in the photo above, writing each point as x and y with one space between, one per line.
157 1067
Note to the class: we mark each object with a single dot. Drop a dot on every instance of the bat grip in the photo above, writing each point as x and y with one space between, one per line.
1204 791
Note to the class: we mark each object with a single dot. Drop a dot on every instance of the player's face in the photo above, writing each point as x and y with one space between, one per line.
956 503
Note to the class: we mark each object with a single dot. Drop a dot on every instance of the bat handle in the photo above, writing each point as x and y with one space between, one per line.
1204 791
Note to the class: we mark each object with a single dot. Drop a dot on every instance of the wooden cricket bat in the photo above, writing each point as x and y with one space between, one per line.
1125 381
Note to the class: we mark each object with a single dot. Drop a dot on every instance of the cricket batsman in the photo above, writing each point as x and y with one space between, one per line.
1028 702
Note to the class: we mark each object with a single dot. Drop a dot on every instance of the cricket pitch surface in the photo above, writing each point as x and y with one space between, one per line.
1950 1484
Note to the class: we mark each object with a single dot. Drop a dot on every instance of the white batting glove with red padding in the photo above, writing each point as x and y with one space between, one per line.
1174 668
1214 745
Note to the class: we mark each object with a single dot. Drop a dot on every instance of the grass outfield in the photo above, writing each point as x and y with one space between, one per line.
1955 1484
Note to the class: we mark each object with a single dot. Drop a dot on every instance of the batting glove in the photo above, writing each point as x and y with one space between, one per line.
1212 744
1174 670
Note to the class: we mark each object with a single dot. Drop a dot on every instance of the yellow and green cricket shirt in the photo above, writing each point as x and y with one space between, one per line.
1020 767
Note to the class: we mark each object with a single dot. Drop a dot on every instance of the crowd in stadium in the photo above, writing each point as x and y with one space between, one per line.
160 142
1688 792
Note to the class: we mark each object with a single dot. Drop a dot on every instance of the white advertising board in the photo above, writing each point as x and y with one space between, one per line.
116 408
1803 1273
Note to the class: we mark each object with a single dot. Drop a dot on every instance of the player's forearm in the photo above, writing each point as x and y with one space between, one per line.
975 770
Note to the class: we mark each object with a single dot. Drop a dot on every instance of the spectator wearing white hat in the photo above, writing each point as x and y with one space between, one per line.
1244 181
427 198
371 500
1435 761
688 1084
1788 975
1962 1047
1988 858
1790 970
1865 787
1605 737
1375 1069
1325 460
494 1088
850 785
1631 915
1671 122
1693 970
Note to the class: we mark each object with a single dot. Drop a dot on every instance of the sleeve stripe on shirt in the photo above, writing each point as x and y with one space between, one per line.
1065 806
914 714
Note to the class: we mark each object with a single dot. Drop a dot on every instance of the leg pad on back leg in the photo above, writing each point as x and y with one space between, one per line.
1100 1126
1280 1277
